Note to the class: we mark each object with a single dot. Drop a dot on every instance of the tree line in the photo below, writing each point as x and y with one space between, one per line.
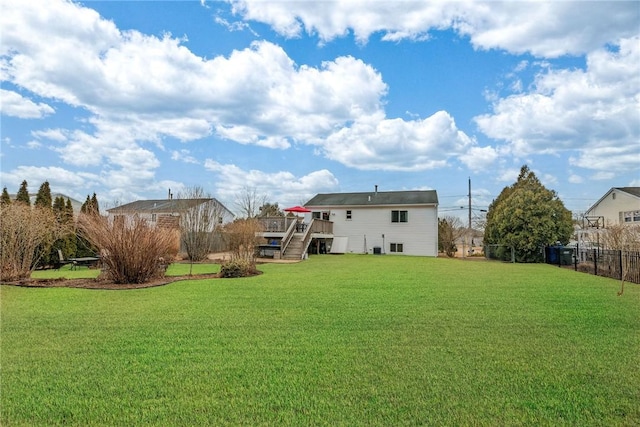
38 235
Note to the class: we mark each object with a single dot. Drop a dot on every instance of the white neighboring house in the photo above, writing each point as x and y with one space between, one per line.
166 212
620 205
387 222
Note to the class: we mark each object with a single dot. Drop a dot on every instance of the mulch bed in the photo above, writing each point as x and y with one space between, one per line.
103 283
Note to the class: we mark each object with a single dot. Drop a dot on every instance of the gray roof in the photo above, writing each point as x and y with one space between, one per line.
372 198
634 191
162 205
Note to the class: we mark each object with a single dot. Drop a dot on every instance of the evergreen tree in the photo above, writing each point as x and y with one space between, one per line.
94 204
90 205
67 242
43 198
84 248
5 200
527 216
23 194
68 211
59 208
85 206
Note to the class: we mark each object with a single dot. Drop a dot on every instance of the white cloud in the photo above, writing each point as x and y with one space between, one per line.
15 105
157 87
547 29
183 156
575 179
61 180
51 134
33 145
593 112
395 144
282 187
508 175
602 176
479 158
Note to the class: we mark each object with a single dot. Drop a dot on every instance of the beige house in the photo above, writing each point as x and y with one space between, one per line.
166 212
620 205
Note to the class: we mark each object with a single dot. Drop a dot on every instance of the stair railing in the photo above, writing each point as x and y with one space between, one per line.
288 235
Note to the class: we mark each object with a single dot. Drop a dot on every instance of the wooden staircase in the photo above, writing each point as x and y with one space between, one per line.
294 248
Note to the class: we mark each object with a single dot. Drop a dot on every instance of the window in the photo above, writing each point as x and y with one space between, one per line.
399 216
396 247
153 218
631 216
315 215
348 215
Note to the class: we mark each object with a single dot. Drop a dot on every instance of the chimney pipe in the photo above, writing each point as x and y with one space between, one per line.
376 189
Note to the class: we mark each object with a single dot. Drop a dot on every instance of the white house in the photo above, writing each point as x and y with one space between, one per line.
166 212
620 205
385 222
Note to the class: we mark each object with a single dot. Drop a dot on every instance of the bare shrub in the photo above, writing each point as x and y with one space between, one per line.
200 216
625 238
450 230
621 237
241 238
132 252
26 236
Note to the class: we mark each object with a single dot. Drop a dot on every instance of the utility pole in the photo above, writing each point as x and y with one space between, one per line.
470 229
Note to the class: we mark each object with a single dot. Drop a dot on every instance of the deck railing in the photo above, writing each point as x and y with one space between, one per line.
321 226
280 224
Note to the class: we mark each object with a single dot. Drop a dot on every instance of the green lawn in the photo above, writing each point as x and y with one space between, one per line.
335 340
68 272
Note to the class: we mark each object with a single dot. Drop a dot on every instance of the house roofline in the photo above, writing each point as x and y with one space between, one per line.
607 194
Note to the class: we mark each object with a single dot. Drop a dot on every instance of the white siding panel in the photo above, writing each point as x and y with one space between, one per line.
419 236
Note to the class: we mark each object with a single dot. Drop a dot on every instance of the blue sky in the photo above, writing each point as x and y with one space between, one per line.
290 99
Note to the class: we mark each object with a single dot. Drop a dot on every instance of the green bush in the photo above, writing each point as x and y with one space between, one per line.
237 268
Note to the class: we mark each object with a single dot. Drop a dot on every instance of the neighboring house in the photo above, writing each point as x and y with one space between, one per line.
620 205
166 212
385 222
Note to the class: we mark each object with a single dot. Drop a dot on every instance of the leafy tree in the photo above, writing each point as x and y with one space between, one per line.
527 216
269 209
23 194
5 200
43 198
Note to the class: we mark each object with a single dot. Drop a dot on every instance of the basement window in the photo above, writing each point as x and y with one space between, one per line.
396 247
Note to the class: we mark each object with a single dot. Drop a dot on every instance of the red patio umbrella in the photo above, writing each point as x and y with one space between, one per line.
297 209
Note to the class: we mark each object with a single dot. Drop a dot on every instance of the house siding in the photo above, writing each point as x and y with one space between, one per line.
611 207
419 235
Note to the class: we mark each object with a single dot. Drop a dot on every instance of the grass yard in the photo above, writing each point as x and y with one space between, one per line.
335 340
67 272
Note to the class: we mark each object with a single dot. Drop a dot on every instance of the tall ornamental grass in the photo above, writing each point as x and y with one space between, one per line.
132 251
